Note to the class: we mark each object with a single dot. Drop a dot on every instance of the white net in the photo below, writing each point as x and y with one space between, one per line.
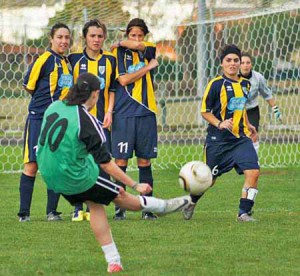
188 57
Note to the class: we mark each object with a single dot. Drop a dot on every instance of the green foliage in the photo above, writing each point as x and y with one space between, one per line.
212 243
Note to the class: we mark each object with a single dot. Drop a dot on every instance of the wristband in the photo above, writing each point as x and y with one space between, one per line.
219 124
134 186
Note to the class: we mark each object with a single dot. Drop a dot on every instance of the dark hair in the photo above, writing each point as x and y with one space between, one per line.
230 49
244 54
81 91
57 26
93 23
137 22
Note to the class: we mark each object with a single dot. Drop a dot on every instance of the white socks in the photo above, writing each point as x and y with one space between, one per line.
256 146
111 253
152 204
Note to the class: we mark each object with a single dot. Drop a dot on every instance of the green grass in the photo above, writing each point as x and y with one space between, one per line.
212 243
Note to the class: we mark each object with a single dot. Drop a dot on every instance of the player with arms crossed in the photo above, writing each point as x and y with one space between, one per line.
258 87
101 63
134 127
72 147
227 143
47 80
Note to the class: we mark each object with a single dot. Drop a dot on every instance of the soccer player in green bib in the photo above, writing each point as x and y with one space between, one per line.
71 149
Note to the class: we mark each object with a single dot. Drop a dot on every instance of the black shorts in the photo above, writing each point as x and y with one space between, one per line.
254 117
103 192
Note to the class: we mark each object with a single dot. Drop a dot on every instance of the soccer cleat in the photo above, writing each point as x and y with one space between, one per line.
176 204
87 216
245 218
54 216
188 211
77 215
120 214
148 216
113 268
24 218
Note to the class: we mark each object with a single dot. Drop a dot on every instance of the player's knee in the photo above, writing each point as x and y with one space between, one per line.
121 162
30 169
143 162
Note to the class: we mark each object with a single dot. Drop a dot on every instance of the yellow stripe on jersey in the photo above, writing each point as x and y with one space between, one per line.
65 69
151 96
246 130
137 89
93 69
107 83
26 146
53 80
36 69
237 115
208 87
223 100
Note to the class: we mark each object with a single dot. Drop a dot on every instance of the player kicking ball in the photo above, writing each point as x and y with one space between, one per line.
72 147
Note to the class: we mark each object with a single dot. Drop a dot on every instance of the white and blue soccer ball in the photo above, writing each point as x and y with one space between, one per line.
195 177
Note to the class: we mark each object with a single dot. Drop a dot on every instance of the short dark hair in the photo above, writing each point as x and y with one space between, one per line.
93 23
57 26
81 91
244 54
137 22
230 49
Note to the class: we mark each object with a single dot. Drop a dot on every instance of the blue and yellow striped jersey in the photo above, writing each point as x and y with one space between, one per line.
226 99
49 78
105 68
135 99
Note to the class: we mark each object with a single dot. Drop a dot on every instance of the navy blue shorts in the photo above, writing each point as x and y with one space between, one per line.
240 155
137 134
31 136
103 192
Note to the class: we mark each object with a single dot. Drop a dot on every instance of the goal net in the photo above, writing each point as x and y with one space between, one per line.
189 35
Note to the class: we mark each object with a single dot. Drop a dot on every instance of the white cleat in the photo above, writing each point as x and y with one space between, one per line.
188 211
176 204
245 218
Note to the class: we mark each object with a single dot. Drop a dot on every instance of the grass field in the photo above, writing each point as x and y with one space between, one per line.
212 243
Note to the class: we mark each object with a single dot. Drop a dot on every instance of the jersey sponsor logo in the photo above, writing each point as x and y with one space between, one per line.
101 69
102 83
134 68
128 58
236 103
65 80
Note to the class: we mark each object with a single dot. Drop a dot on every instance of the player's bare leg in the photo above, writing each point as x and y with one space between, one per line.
102 232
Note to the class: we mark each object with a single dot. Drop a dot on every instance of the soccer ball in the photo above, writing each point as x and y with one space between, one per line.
195 177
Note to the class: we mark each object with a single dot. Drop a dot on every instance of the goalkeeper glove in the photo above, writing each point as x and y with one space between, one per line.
277 113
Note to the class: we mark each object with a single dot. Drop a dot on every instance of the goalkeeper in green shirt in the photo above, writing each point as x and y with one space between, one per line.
70 150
